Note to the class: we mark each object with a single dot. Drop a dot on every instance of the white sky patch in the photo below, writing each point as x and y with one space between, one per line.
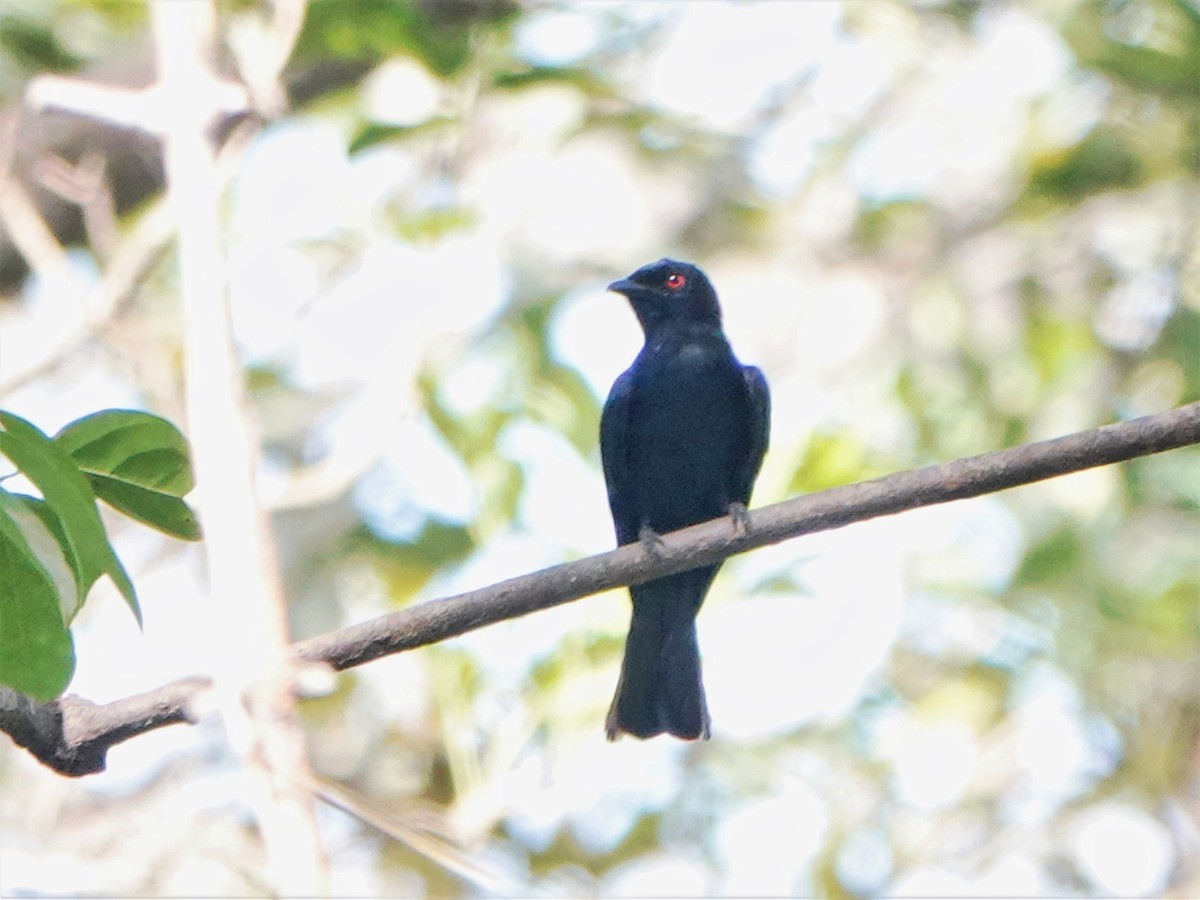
1055 752
418 477
1133 312
1019 49
359 328
895 161
475 380
51 402
557 37
774 43
932 759
401 92
378 173
660 874
293 183
853 74
842 626
1070 110
1086 495
580 519
595 333
584 201
782 157
976 542
598 789
1016 874
270 286
612 783
864 862
768 842
842 317
819 320
28 328
955 138
1134 239
1122 850
377 321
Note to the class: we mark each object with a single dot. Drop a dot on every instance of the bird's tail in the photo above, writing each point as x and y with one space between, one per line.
660 688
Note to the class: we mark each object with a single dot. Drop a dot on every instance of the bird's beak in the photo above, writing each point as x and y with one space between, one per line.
622 286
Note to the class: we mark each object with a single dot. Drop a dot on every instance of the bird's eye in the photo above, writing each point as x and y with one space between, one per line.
675 281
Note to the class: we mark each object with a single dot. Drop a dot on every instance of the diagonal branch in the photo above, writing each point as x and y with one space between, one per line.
72 735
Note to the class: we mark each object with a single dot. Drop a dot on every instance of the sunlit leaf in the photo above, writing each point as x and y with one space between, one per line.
47 540
374 29
138 463
69 495
1052 559
37 655
34 45
1101 162
375 133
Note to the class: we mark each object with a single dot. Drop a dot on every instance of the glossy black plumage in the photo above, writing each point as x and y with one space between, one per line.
682 438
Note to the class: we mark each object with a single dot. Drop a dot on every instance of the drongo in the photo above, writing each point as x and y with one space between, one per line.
682 437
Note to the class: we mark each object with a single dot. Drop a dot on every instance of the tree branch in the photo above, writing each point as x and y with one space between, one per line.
72 735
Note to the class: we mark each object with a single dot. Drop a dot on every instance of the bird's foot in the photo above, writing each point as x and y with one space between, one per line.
740 517
651 540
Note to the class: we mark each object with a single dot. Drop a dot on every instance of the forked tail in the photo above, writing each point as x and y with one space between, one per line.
660 690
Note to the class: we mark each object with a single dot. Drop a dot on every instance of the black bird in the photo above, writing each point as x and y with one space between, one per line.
682 438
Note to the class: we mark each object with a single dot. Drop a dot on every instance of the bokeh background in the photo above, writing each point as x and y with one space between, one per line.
940 228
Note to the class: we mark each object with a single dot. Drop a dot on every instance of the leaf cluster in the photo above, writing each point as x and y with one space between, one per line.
54 547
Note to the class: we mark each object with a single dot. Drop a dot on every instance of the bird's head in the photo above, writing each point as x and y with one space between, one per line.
669 291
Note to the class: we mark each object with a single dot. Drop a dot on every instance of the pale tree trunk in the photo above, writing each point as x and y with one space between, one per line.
244 582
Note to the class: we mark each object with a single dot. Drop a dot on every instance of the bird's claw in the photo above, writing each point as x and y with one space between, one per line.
740 517
651 540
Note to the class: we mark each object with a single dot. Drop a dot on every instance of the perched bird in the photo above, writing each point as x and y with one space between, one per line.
682 438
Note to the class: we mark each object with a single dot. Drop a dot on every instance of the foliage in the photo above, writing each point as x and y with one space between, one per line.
56 547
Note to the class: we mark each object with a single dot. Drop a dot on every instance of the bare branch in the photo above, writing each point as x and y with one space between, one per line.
72 735
86 185
133 260
20 218
713 541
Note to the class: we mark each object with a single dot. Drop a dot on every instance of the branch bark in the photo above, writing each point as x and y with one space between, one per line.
72 735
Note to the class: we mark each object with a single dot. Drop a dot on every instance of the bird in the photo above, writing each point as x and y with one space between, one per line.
682 438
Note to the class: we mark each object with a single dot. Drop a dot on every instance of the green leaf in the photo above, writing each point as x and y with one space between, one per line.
374 133
47 540
34 46
137 444
830 460
1053 559
1102 161
167 514
137 463
69 495
378 29
37 655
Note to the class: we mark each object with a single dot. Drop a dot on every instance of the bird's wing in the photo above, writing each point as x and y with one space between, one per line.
760 429
614 454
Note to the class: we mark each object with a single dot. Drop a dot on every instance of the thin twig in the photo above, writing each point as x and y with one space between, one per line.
72 735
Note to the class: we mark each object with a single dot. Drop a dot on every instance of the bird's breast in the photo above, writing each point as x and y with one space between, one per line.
689 426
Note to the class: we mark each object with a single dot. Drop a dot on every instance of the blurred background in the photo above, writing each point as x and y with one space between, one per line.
940 228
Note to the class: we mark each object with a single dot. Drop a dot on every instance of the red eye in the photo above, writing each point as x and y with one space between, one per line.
675 281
